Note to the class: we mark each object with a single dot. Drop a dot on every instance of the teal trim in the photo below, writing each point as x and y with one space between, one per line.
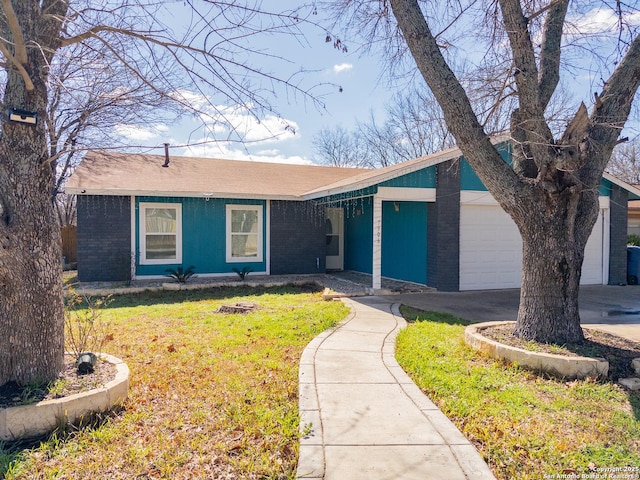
605 188
346 199
358 235
203 236
424 178
469 180
404 241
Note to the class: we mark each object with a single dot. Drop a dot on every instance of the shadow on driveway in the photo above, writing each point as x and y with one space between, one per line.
615 309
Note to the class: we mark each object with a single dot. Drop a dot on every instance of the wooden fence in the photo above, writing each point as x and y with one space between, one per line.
70 243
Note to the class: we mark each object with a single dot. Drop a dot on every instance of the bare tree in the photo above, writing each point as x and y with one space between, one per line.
625 162
551 192
90 94
413 127
340 148
170 49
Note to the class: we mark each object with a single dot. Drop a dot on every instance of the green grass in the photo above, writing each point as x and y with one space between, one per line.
524 426
212 395
69 277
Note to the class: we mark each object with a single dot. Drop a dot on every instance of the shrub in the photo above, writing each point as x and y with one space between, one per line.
243 273
180 275
85 331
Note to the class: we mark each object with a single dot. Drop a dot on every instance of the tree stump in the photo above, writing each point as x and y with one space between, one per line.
240 307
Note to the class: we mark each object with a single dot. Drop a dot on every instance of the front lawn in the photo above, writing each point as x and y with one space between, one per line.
212 395
525 426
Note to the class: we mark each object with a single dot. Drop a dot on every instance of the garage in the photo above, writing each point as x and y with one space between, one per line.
491 247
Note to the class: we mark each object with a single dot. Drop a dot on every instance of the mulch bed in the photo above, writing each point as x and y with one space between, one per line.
12 394
618 351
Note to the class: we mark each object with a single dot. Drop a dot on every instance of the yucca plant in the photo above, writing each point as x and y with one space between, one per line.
243 273
181 275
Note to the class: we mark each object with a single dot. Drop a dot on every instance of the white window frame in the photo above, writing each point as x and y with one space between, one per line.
143 234
260 233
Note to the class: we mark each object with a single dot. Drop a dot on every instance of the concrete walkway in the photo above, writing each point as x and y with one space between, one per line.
363 418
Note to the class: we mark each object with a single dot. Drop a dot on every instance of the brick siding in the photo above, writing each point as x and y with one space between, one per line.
298 240
443 230
104 238
618 236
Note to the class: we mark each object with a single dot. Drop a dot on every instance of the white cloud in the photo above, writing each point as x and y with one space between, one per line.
140 133
242 122
600 21
188 97
342 67
228 132
229 151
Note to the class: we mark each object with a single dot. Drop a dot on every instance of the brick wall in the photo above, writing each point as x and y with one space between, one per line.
443 230
298 240
104 238
618 236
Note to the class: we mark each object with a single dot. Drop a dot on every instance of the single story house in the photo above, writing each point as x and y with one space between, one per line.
429 220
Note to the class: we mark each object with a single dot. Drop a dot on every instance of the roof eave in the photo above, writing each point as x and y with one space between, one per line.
189 194
382 176
621 183
417 164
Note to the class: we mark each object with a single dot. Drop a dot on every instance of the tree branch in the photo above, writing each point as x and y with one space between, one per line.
613 105
538 133
459 115
549 75
16 31
19 67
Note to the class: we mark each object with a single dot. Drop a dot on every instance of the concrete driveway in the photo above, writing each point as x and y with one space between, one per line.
614 309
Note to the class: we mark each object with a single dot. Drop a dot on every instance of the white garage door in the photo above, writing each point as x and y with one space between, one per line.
491 250
592 267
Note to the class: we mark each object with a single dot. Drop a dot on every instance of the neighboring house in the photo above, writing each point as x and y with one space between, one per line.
633 227
429 220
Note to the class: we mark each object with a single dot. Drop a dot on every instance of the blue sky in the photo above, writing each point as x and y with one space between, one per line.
348 85
364 89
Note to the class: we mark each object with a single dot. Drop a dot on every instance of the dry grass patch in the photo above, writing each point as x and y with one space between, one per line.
525 426
212 395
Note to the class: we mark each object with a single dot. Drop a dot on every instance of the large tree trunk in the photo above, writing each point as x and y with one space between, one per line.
548 310
554 230
31 309
31 303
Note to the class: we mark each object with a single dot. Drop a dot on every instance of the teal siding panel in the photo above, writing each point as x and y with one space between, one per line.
470 181
347 200
468 178
203 236
605 188
404 241
425 178
358 236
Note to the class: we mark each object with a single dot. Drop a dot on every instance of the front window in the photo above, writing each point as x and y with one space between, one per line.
244 233
160 233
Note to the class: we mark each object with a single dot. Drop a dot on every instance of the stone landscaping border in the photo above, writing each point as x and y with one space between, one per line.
567 367
31 421
103 292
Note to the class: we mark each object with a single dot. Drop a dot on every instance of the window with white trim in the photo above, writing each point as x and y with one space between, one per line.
160 233
244 233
